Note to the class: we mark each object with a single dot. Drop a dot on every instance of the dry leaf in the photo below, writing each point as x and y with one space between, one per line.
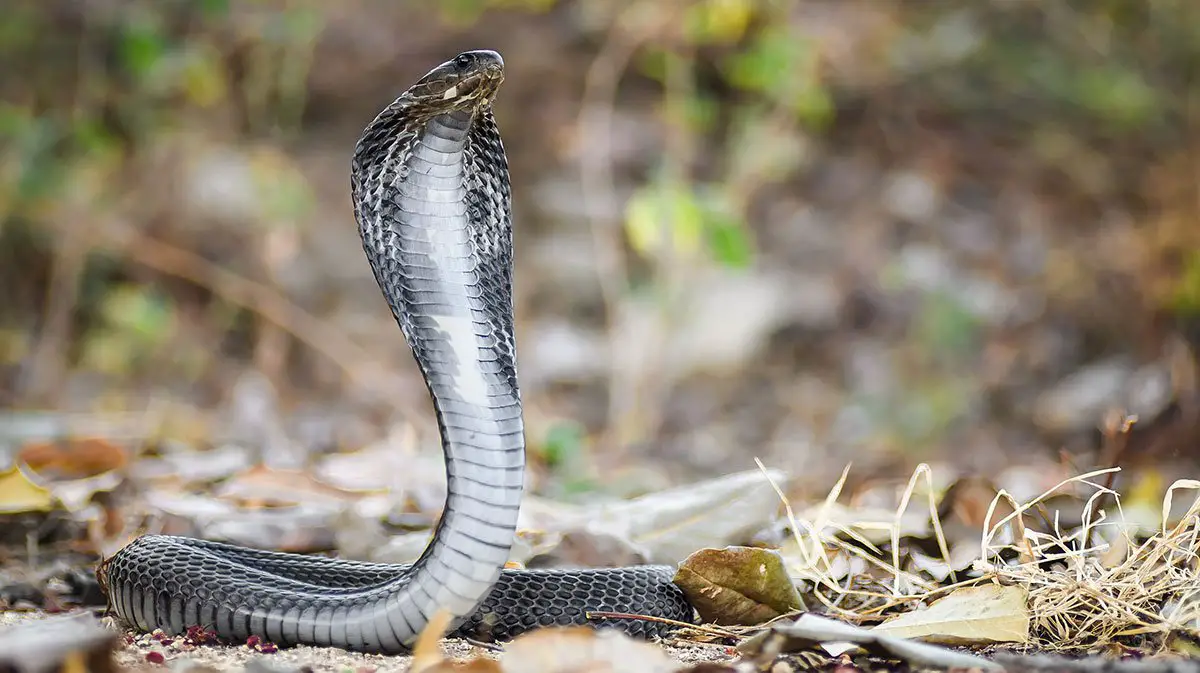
73 458
427 653
981 615
19 493
738 585
265 487
671 524
579 649
75 642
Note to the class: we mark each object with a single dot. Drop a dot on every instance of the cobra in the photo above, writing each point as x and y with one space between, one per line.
432 199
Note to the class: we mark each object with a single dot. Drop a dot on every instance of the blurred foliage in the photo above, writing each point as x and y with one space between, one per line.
95 90
564 452
774 71
1096 95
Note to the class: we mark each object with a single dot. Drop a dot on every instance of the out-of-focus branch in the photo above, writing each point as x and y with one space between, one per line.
269 304
628 31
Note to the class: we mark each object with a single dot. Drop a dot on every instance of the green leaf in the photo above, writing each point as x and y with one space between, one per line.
1117 95
730 244
688 219
771 60
563 444
661 216
142 48
214 8
945 326
93 136
139 312
782 66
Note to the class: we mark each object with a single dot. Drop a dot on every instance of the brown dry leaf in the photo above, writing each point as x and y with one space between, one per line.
427 653
262 487
980 615
19 493
73 458
738 585
579 649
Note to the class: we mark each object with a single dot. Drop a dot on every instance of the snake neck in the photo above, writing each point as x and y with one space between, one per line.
438 241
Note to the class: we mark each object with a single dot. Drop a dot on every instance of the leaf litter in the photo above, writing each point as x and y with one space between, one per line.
955 566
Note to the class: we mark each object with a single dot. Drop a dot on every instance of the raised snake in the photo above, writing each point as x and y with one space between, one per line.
431 192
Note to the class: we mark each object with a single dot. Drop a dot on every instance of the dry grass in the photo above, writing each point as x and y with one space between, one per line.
1100 584
1103 594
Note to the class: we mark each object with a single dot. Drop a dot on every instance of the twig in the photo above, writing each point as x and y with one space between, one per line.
707 628
47 368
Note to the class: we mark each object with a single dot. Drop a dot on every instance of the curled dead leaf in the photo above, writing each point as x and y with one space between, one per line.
262 487
583 650
73 458
427 653
738 585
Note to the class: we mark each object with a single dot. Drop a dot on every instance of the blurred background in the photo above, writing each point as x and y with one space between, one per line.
815 232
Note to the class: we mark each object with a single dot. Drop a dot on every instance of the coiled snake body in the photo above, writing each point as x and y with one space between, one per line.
429 179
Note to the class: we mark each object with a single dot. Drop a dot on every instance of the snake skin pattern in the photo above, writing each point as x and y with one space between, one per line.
430 184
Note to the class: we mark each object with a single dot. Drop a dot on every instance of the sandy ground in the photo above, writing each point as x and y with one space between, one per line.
317 659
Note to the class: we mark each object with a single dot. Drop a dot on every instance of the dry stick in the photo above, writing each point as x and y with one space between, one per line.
48 367
671 267
1116 439
264 300
706 628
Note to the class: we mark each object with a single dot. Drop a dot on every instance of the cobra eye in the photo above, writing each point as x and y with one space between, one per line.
462 60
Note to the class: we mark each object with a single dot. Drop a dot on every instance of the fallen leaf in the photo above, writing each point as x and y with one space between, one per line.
980 615
306 527
75 471
672 524
262 487
579 649
182 464
73 458
738 585
76 642
427 654
19 493
588 549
